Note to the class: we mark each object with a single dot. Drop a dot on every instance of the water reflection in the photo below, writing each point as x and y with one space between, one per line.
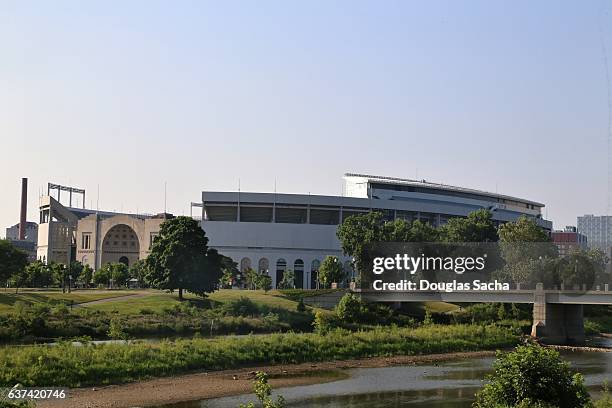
447 384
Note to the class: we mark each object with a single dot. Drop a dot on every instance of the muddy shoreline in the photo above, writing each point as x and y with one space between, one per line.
214 384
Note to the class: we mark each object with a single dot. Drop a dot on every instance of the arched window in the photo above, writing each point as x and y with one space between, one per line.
298 269
245 264
264 265
124 260
314 273
281 266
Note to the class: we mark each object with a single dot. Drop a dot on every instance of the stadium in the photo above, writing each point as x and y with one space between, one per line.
269 232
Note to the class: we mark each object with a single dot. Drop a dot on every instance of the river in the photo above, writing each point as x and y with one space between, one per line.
442 385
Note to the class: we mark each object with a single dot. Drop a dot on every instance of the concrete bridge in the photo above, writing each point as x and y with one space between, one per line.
557 314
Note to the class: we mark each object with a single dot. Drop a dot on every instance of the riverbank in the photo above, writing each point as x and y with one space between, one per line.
206 385
94 365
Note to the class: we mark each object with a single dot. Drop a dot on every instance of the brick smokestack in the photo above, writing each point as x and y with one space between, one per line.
24 208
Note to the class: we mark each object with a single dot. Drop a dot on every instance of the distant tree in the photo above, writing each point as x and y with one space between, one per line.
330 270
74 271
600 261
102 276
522 230
532 376
231 275
60 274
263 282
119 273
250 278
138 271
529 255
358 232
288 281
227 279
577 269
180 259
20 279
87 275
39 275
477 227
12 260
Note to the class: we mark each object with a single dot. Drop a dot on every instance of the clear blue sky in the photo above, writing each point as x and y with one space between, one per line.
507 96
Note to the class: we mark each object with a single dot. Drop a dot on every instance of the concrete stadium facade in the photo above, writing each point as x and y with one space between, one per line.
272 232
92 237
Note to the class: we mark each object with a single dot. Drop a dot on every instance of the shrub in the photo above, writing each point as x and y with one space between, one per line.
606 399
428 320
263 391
529 376
350 308
301 307
591 327
323 322
116 330
241 307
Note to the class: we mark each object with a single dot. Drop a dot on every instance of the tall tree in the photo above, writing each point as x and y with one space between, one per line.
358 232
522 230
476 227
529 255
12 260
181 260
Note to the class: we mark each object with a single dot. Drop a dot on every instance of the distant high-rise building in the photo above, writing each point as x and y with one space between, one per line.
568 239
598 230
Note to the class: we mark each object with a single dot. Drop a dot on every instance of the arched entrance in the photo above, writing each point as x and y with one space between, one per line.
298 268
120 244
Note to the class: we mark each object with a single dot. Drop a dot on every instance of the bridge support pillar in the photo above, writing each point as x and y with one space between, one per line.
558 323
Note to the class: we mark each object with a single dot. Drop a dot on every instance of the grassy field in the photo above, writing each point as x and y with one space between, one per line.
31 317
71 366
157 301
9 298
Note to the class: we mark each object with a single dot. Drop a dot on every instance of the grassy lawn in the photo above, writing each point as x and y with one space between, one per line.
440 307
154 301
8 298
157 301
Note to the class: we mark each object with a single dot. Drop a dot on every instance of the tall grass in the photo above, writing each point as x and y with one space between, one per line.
73 366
